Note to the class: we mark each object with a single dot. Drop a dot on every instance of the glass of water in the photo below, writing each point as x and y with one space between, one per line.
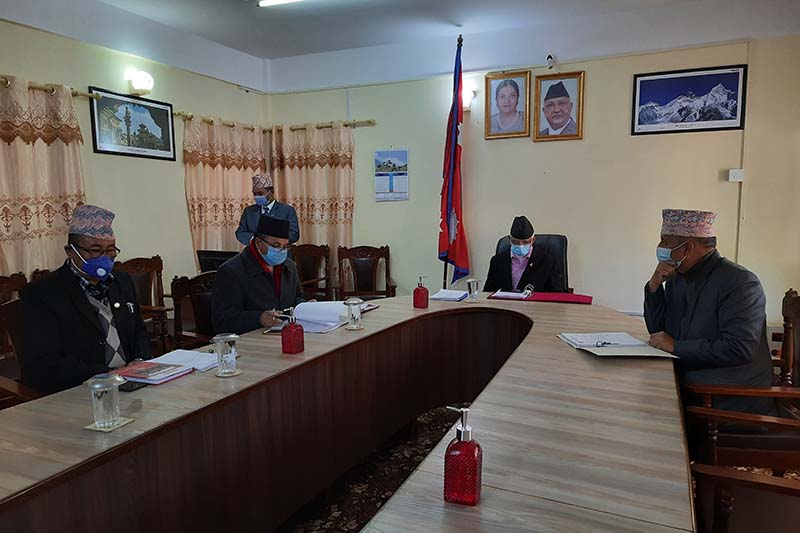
225 348
105 399
354 314
472 290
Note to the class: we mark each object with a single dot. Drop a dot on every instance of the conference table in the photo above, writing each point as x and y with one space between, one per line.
571 441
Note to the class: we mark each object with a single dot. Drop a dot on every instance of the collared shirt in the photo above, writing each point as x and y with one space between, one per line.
518 265
551 131
98 291
265 209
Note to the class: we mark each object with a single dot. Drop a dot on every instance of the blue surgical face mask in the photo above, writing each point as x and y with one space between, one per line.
261 200
664 255
520 250
96 267
275 257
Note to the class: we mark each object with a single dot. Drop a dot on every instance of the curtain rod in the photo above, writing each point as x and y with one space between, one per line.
50 88
209 120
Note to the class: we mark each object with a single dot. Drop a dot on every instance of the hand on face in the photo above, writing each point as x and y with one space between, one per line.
662 341
663 272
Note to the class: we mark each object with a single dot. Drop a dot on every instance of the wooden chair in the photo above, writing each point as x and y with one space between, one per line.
196 292
726 480
363 262
314 269
11 391
787 359
146 274
10 286
39 274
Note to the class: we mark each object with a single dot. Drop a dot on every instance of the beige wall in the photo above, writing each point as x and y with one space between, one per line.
147 195
771 197
605 192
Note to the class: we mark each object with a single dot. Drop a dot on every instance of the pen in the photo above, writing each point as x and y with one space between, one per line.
600 344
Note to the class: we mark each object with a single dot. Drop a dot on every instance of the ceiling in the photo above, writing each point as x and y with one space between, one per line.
314 26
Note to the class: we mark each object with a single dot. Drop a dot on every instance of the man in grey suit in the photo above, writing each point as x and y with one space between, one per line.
708 311
557 109
266 204
251 288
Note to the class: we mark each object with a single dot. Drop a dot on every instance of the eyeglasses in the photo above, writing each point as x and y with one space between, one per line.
97 252
276 246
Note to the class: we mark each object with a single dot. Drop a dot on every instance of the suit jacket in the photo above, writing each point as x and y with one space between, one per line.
571 129
543 271
242 291
716 313
249 221
62 343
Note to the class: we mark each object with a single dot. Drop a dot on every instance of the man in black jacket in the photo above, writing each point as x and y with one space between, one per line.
525 264
83 319
708 311
253 287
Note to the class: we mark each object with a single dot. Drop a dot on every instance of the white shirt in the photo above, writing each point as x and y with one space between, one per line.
551 131
267 208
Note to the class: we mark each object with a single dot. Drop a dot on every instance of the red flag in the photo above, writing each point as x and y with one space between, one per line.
452 235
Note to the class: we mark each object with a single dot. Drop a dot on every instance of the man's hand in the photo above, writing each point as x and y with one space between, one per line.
663 272
270 318
662 341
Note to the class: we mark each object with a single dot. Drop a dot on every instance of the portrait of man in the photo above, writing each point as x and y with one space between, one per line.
507 105
560 113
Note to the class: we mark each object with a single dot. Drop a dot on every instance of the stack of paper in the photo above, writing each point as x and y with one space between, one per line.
445 295
200 361
322 317
507 295
152 373
612 344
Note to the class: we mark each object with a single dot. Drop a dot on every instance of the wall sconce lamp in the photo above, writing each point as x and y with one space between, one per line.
139 82
468 93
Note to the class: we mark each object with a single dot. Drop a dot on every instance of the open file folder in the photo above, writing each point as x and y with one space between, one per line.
618 344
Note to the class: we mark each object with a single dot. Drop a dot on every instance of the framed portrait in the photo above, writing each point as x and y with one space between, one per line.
701 99
129 125
507 109
559 111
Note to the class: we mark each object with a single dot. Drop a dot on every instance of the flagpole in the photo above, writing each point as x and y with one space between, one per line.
444 276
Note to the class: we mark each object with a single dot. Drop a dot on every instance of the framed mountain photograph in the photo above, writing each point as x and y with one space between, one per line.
123 124
703 99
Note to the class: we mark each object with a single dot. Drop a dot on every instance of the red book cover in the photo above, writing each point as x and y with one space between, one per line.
560 297
153 373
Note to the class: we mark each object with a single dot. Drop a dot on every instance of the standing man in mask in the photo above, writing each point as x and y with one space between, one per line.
266 204
252 287
525 264
708 311
83 319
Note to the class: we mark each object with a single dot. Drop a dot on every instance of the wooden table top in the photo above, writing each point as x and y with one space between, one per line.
568 438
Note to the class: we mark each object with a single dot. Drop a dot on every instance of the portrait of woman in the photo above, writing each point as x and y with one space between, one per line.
507 105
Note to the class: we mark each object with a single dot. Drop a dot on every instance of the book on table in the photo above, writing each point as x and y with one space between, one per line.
200 361
449 295
322 317
616 344
152 373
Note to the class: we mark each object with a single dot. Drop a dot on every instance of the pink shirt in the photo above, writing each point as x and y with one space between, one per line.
518 264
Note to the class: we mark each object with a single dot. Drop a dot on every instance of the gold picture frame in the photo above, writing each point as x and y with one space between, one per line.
564 88
496 85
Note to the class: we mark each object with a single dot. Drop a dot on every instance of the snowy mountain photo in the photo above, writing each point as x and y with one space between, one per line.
689 100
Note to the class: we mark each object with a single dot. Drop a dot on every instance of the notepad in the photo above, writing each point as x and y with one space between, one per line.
200 361
152 373
447 295
616 344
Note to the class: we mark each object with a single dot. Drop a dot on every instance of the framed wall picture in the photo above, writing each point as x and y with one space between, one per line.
701 99
130 125
507 109
559 111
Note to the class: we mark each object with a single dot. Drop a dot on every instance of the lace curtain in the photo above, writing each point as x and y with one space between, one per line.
219 162
41 178
313 171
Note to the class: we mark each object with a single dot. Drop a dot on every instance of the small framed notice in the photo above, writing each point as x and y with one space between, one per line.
391 175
